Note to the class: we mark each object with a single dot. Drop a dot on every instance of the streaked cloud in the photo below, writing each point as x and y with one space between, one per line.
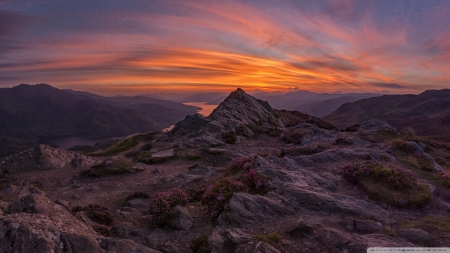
113 46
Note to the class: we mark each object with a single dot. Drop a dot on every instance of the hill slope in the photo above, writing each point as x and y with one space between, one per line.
427 113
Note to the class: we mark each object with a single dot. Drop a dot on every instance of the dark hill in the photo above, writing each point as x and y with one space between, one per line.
43 111
427 113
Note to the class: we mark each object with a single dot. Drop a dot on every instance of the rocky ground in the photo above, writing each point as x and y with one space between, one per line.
247 178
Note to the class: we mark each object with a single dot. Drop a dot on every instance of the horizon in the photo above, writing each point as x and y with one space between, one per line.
115 48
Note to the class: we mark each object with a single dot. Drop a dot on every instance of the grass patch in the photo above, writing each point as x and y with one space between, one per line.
147 146
305 150
435 226
102 229
379 136
229 137
293 135
117 167
402 147
393 186
121 146
272 238
444 178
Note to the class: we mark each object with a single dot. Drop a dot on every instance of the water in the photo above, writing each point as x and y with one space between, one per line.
68 142
206 109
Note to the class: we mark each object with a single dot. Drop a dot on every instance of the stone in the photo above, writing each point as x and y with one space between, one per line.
181 218
223 240
414 235
164 154
169 247
263 247
299 226
122 230
369 226
376 125
139 203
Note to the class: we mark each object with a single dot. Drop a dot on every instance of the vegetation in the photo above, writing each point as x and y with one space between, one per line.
444 177
352 128
394 186
293 135
303 150
147 146
10 145
256 182
101 229
217 195
97 213
435 226
193 157
244 163
121 146
118 167
162 205
272 238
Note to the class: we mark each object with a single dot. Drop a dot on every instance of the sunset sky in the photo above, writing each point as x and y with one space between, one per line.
136 46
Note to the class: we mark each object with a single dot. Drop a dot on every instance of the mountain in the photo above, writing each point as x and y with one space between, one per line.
247 178
312 103
427 113
44 111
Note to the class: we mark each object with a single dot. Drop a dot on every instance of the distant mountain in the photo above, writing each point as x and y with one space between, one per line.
43 111
427 113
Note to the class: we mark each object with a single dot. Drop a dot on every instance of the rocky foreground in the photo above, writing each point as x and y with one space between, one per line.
247 178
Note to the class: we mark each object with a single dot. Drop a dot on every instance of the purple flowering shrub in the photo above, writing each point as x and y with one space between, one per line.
163 203
101 229
256 182
445 178
100 214
97 213
392 185
217 195
241 164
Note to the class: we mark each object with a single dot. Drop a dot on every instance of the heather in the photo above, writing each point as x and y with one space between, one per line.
162 204
217 195
392 185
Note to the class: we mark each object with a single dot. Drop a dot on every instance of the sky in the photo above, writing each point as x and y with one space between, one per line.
144 46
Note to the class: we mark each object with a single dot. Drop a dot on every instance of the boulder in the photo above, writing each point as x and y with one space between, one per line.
181 218
122 230
368 226
373 125
263 247
225 240
252 209
414 235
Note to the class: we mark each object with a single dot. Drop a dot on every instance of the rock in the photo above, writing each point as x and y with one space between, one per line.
33 203
111 245
376 125
437 168
201 170
164 154
81 161
205 141
224 240
414 235
138 167
181 218
252 209
341 154
168 247
190 124
189 178
298 227
157 171
263 247
368 226
122 230
138 203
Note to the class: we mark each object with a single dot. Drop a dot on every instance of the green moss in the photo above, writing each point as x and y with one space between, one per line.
272 238
121 146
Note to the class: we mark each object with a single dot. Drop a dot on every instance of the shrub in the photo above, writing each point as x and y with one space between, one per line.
138 195
424 162
244 163
121 146
101 229
403 147
147 146
256 182
100 214
293 136
229 137
395 186
163 203
217 195
195 194
118 167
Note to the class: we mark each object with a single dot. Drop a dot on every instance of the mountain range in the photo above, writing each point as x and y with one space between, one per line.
427 114
30 111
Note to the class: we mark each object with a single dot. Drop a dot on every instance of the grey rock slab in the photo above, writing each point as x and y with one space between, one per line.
181 219
164 154
369 226
414 235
